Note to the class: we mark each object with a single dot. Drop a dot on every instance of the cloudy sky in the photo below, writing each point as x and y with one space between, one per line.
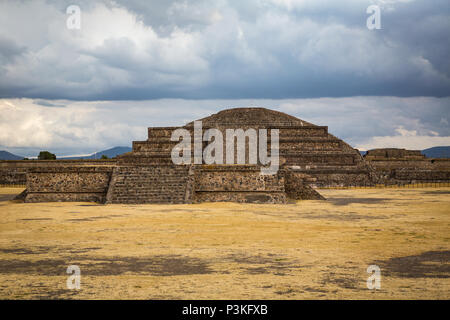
134 64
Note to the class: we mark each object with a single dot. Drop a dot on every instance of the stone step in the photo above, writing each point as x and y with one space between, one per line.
149 184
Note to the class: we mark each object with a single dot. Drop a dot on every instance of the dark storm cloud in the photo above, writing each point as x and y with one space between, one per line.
272 49
9 50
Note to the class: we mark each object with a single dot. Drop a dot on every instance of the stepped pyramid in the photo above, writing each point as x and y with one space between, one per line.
309 156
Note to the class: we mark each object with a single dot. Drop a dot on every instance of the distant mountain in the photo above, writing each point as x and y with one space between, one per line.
437 152
110 153
5 155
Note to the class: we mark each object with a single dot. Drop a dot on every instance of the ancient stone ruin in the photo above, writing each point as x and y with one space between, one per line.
309 157
400 166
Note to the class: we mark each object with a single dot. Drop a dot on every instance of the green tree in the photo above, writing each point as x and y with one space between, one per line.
45 155
104 156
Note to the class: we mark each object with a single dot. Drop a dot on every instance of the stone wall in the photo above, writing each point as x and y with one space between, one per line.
13 175
337 176
323 159
242 197
238 183
412 171
77 183
400 166
393 153
15 171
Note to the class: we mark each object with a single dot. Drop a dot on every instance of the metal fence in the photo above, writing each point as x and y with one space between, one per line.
416 185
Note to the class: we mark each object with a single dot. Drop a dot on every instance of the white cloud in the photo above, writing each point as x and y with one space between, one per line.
408 139
406 133
411 142
75 127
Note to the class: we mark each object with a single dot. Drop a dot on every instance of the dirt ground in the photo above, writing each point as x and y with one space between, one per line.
307 250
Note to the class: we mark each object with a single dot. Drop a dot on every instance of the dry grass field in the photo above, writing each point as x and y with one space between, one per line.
307 250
